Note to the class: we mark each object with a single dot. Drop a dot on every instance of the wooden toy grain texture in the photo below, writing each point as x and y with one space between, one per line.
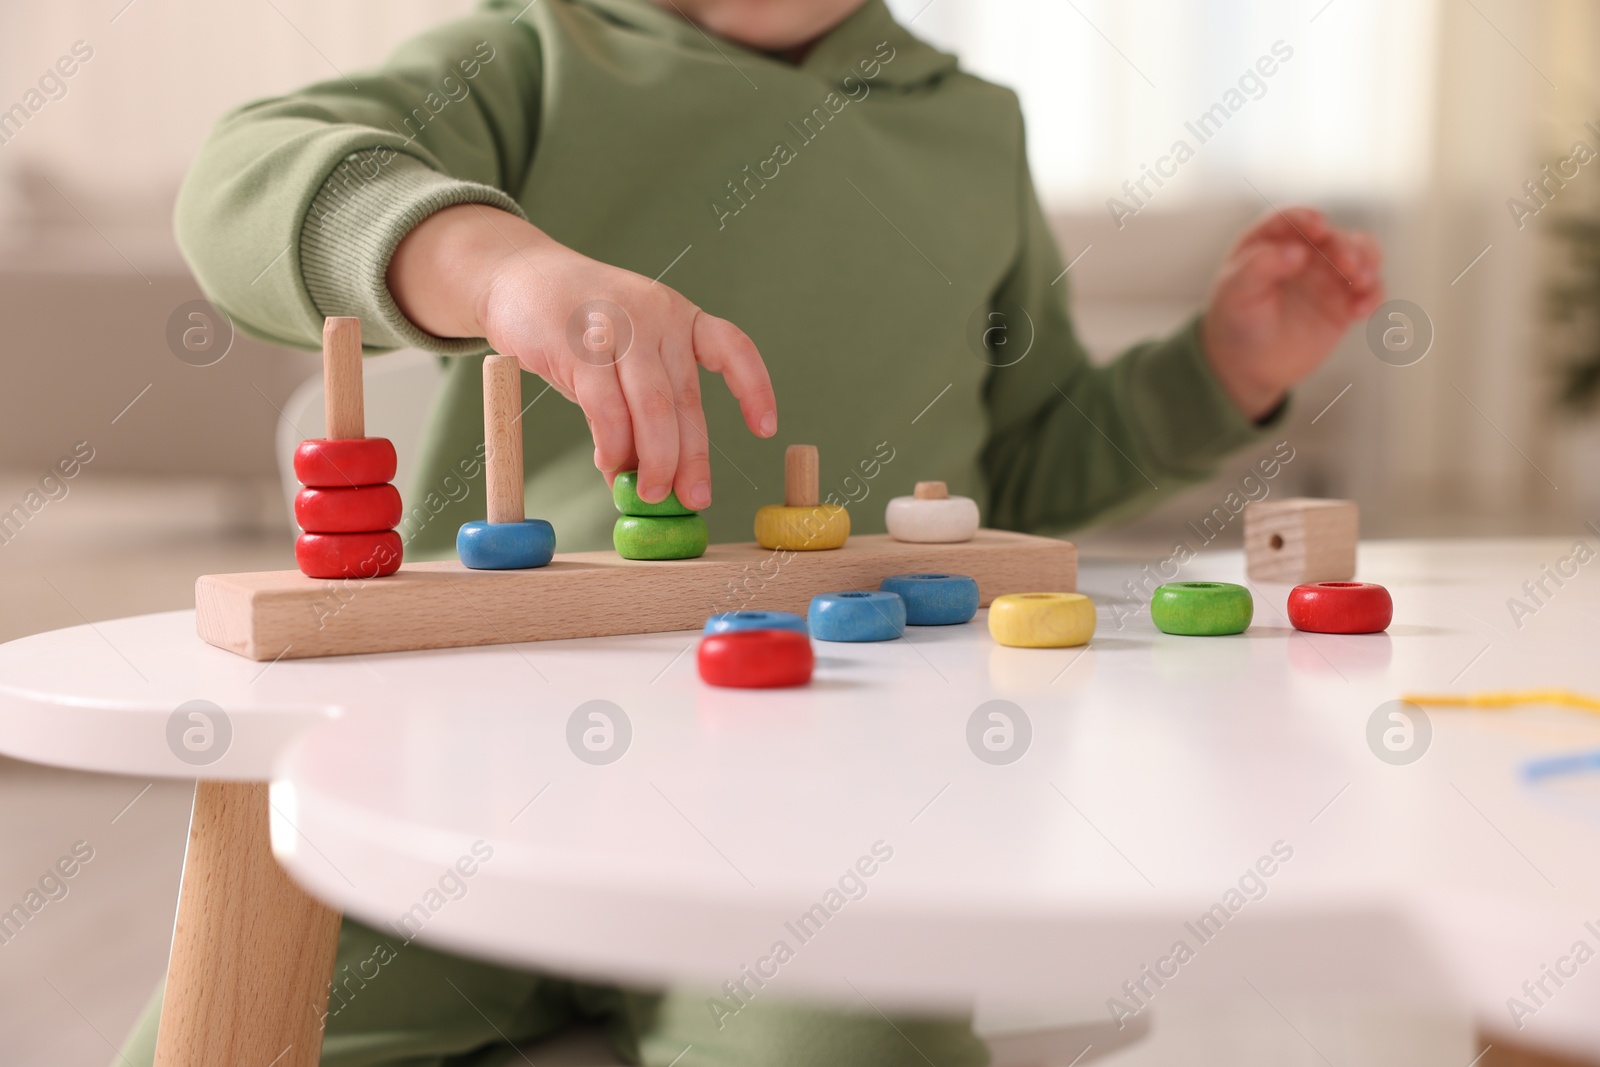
252 954
269 614
502 460
801 476
344 397
1301 540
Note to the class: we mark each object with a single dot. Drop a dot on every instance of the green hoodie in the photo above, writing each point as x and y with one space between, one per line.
865 216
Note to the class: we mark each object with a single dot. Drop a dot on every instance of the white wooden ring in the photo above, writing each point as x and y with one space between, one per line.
931 522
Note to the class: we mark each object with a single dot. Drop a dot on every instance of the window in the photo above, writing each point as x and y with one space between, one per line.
1108 86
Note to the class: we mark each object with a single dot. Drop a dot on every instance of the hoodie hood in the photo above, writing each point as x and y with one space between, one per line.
836 56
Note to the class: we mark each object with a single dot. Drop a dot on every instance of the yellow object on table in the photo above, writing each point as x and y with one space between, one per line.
1503 699
1042 620
802 529
801 523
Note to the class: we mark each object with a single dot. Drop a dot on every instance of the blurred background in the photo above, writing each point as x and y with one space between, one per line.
1424 121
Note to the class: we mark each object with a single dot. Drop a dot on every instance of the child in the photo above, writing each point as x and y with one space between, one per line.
571 181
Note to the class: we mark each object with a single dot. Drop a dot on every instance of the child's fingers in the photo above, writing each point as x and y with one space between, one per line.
723 348
693 481
1369 252
600 395
654 418
1259 270
1347 257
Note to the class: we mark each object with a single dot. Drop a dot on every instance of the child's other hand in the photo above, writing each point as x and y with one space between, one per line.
471 271
1284 296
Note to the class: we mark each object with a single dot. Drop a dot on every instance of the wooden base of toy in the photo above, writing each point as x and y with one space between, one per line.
252 955
274 614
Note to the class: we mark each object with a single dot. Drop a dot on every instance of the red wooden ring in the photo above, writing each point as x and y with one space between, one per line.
368 508
756 659
357 461
1340 608
348 555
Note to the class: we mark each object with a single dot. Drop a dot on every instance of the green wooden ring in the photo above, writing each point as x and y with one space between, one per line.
1201 609
625 495
660 536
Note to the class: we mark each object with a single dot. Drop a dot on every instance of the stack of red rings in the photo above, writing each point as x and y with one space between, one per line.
348 508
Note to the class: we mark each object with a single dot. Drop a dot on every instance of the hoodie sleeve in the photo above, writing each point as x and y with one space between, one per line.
1070 442
295 204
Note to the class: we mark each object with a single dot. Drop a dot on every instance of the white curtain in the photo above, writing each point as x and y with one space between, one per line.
1107 86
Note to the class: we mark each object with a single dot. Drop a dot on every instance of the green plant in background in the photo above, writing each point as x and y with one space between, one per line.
1574 302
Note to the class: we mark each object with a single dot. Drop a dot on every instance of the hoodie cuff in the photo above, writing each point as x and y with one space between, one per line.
1185 416
357 219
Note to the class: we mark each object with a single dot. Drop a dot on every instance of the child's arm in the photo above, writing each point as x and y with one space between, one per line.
1071 443
341 198
293 204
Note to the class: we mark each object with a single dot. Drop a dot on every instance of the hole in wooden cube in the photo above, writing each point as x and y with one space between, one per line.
1301 540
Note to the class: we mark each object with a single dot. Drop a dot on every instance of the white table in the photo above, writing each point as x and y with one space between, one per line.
1159 770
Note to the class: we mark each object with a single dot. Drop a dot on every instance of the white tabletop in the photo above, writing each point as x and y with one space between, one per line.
122 696
1160 770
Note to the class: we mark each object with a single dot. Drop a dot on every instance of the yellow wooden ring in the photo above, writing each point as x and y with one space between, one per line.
1042 620
802 529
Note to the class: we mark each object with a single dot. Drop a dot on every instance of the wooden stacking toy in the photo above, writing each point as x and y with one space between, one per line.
1201 609
1301 540
755 659
348 509
663 530
1042 620
1340 608
507 539
931 516
801 523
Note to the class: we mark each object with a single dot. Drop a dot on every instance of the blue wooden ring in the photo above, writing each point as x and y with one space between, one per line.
855 616
505 546
934 599
727 622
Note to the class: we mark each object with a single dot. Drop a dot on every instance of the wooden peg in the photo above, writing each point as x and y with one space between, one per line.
800 476
931 491
343 398
502 434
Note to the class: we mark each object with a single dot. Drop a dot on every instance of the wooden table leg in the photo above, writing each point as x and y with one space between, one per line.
252 954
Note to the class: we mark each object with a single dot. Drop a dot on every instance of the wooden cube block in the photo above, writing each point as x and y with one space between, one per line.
1301 540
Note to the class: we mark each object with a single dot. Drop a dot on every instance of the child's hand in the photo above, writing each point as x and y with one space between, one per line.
1283 297
471 271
